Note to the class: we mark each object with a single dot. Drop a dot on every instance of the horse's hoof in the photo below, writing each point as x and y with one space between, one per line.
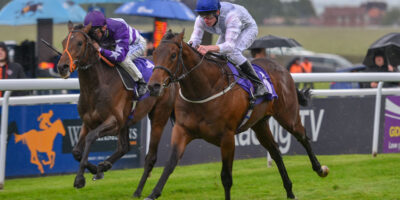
152 196
98 176
104 166
324 171
79 182
77 155
295 198
92 169
291 196
137 194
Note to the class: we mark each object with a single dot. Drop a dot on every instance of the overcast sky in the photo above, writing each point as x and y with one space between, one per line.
320 4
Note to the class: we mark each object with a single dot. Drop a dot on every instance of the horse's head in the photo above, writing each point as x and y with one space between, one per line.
168 60
76 46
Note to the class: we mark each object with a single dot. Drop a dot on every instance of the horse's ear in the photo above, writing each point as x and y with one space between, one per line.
182 34
169 32
87 28
70 26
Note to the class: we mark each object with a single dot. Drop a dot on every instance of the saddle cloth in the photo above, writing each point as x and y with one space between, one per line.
247 85
145 67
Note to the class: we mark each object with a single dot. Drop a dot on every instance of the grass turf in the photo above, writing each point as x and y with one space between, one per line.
351 177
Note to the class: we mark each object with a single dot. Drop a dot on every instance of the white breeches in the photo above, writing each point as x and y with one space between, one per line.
135 51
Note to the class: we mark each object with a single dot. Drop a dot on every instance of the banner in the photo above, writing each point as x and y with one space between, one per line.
391 142
334 125
41 139
160 27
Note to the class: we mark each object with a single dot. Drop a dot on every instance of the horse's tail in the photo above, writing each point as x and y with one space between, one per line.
18 138
303 96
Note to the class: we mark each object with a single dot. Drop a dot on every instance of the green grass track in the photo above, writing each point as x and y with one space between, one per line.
351 177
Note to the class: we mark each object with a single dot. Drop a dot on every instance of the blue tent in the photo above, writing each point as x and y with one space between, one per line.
167 9
23 12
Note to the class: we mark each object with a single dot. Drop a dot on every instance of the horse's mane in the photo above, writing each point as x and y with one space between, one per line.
78 27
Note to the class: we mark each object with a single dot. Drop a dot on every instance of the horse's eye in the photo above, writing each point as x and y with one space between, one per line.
80 43
173 56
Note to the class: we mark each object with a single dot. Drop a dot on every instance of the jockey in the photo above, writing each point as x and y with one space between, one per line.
236 29
129 43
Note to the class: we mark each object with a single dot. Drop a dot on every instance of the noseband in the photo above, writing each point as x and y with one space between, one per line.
173 77
72 62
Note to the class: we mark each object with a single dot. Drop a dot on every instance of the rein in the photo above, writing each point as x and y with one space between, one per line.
72 65
173 77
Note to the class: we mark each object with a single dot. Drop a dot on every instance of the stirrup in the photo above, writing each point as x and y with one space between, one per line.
141 87
260 91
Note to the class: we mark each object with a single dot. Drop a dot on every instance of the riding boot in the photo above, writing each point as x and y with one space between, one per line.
137 76
260 89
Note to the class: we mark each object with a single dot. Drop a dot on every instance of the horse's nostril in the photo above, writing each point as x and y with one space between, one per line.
62 67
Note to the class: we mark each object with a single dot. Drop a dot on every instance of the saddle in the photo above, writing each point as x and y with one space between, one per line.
145 67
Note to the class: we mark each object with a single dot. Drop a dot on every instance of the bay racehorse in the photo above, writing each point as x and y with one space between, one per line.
207 108
105 105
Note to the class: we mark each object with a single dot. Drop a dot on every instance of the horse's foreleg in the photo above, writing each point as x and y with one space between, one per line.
122 149
299 132
158 120
108 127
227 153
78 148
179 141
266 139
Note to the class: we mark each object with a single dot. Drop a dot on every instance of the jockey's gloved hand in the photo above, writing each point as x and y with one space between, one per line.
96 46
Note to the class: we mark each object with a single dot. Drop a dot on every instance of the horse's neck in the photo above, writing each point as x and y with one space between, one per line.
93 77
204 81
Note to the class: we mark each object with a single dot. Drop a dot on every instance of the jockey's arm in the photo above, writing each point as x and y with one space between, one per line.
203 49
233 29
121 47
197 34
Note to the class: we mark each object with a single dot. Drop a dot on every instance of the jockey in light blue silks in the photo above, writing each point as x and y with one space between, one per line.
237 30
129 43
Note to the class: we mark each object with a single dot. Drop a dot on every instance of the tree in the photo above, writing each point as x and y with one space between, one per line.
392 17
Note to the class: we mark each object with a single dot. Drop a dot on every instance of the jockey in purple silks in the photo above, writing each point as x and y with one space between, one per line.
129 43
237 30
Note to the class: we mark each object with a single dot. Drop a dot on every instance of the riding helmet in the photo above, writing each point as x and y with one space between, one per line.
207 5
97 18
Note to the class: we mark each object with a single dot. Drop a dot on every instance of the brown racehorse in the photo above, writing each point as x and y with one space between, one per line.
105 105
218 119
42 141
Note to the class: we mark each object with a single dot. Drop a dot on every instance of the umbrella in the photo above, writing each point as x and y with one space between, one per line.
23 12
100 1
388 45
168 9
271 41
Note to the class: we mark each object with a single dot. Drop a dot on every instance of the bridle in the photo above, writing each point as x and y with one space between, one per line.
173 77
73 64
